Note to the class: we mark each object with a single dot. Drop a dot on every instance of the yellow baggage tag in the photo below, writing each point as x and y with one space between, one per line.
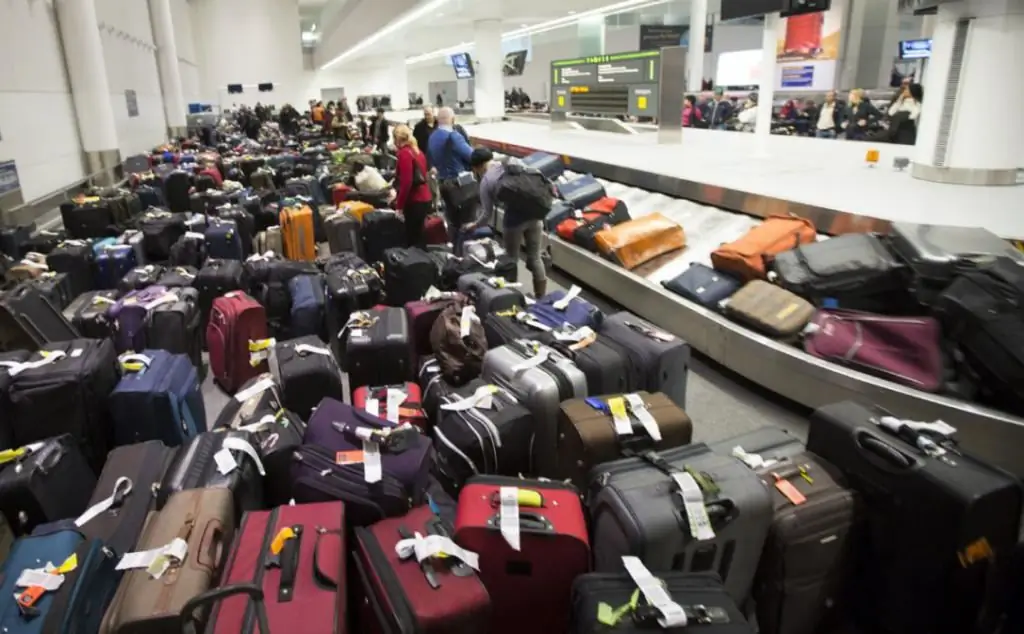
283 535
620 417
69 564
10 455
530 499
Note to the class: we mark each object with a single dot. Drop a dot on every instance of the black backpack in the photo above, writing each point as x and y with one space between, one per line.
525 191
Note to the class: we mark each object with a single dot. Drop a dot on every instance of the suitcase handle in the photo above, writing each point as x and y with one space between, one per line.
528 523
211 547
882 453
190 623
321 576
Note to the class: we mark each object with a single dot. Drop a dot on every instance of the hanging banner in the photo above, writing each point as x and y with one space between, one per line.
654 37
807 51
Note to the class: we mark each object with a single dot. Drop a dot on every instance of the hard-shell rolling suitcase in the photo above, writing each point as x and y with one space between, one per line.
87 313
636 508
348 291
237 322
704 285
28 320
549 548
549 165
113 263
558 308
408 274
308 373
343 233
601 429
47 482
660 358
491 294
157 398
378 347
399 404
139 278
540 378
205 520
307 310
223 240
217 278
77 259
936 520
218 460
580 191
297 233
687 601
437 596
189 250
381 230
769 309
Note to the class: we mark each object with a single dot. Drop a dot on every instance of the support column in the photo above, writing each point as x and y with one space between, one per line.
400 83
170 72
590 34
971 46
87 74
695 56
766 85
489 93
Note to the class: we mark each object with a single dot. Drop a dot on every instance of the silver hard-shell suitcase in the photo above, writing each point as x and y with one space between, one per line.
662 358
491 294
270 240
343 233
540 378
636 508
935 251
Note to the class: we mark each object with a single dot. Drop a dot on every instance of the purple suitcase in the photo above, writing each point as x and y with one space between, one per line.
129 317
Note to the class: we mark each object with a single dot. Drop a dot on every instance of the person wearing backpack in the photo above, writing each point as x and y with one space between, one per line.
414 198
523 209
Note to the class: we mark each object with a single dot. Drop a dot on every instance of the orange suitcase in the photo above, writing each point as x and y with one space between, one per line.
745 258
297 233
637 241
356 208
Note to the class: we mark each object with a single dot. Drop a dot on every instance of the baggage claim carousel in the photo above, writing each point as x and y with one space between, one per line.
778 367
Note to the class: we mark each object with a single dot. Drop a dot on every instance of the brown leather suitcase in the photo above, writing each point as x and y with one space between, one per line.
746 258
587 434
637 241
769 309
204 518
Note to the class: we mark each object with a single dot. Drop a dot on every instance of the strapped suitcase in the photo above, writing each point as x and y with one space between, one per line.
660 359
48 481
438 596
307 305
56 287
157 398
636 509
399 404
218 460
580 191
635 242
553 549
217 278
558 308
601 429
304 584
746 258
224 240
297 233
408 274
704 285
381 230
491 294
343 233
936 520
205 520
87 313
63 389
160 230
458 341
606 363
769 309
113 262
140 278
237 321
77 259
307 372
378 347
28 320
540 378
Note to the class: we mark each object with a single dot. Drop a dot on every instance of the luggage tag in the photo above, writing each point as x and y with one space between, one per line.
156 561
466 321
752 460
260 350
225 460
357 321
122 489
693 505
304 349
166 298
49 356
563 303
508 516
638 409
788 490
483 398
620 417
531 321
35 265
256 388
184 273
913 432
431 546
671 613
649 332
539 357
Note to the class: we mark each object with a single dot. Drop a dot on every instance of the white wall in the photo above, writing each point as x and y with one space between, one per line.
188 61
38 128
729 38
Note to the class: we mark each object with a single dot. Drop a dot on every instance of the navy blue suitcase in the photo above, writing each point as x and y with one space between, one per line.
223 240
581 191
113 262
80 602
158 398
550 165
307 312
703 285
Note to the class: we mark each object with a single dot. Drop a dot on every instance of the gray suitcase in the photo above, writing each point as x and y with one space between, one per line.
636 509
770 443
541 388
134 238
343 233
936 252
661 358
270 240
491 294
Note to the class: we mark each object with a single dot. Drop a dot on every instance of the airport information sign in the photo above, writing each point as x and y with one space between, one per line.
619 84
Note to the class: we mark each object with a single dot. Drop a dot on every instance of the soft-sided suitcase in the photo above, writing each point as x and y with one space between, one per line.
660 359
422 315
704 285
747 258
399 594
160 230
307 310
381 230
540 378
606 363
635 510
634 242
56 287
696 602
408 275
297 233
63 389
75 258
139 278
560 211
178 277
769 309
175 325
580 191
189 250
601 429
308 373
87 313
218 460
8 361
223 240
28 320
217 278
534 574
130 315
558 308
501 328
47 481
157 398
458 341
491 294
237 321
205 520
399 404
549 165
936 521
92 217
343 233
378 347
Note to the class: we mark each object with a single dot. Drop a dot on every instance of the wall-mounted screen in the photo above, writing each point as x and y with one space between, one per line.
463 65
269 87
915 49
739 68
234 89
735 9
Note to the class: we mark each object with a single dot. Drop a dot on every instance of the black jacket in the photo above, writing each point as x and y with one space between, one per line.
421 132
863 111
379 131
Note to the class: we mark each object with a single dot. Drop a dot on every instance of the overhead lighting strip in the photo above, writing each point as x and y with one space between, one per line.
405 20
543 27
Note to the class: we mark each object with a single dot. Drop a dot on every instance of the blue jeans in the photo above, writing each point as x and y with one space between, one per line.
826 134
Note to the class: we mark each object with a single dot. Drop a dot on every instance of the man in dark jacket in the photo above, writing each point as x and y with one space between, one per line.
421 132
379 130
717 111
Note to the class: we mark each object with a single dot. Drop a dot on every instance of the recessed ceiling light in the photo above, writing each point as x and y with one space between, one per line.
572 13
312 28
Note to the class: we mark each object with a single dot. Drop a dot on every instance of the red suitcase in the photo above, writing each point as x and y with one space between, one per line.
395 596
303 583
533 585
435 231
339 193
235 320
408 411
213 173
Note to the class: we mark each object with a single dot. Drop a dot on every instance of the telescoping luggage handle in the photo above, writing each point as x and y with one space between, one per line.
191 622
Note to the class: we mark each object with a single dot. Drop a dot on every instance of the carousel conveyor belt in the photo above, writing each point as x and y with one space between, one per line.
778 367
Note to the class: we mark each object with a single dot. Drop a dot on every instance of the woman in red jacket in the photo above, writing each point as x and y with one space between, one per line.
414 199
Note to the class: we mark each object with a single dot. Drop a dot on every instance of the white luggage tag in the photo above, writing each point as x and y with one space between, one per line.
576 335
508 518
938 427
373 470
537 359
35 265
39 577
672 614
693 505
305 348
184 273
195 235
638 408
531 321
260 351
466 321
49 356
394 400
156 561
225 460
483 398
100 299
423 548
487 265
752 460
122 488
563 303
254 389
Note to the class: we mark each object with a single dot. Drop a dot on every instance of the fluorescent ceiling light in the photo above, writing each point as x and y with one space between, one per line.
414 15
312 28
550 25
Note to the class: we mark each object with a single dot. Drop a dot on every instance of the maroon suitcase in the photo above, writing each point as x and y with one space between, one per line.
395 596
303 584
422 315
434 230
236 320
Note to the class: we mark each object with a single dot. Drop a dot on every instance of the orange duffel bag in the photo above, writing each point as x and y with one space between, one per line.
637 241
746 257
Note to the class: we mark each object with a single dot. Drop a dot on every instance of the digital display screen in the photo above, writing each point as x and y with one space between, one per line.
463 65
915 49
735 9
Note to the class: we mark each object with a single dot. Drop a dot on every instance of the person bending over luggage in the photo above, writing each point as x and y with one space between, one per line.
449 153
516 229
413 199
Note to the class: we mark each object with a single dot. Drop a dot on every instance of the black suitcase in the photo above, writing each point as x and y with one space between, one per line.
44 241
585 235
66 393
28 320
499 266
606 363
408 275
381 230
194 466
934 525
216 278
13 239
707 607
77 259
139 278
56 287
160 230
188 250
181 276
661 359
176 326
307 372
501 328
89 220
378 348
176 190
704 285
244 222
268 284
131 477
258 397
348 290
88 314
8 360
48 482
